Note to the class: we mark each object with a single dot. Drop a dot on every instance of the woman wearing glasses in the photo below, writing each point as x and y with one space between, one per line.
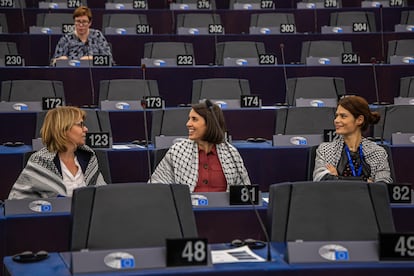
65 164
84 42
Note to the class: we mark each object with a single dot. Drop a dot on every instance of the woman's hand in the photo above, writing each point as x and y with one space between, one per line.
332 170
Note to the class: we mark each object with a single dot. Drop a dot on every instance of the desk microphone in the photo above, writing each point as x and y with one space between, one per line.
382 33
374 72
209 105
144 107
282 51
90 63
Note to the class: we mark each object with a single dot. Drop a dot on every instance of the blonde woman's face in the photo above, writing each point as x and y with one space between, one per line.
77 133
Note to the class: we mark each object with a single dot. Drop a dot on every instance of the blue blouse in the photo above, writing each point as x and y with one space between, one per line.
71 46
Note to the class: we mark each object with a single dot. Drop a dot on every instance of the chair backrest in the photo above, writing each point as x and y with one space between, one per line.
238 49
123 20
324 48
219 89
349 18
402 47
407 87
329 211
169 122
31 90
271 19
96 121
3 23
312 156
314 87
130 215
196 20
407 17
104 167
304 120
127 89
53 19
395 118
167 49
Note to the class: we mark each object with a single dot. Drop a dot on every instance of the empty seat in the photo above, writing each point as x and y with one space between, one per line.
3 24
127 89
407 17
31 90
169 122
400 51
394 119
329 211
354 17
167 49
219 89
238 50
97 121
324 48
304 120
265 23
407 87
53 23
314 88
196 23
111 23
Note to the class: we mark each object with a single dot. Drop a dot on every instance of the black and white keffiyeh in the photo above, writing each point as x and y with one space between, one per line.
375 156
180 165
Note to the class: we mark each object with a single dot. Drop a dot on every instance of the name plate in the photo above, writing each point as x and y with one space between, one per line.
350 58
250 101
396 246
329 135
323 61
408 60
403 139
7 4
187 252
21 106
404 100
101 60
297 140
51 102
240 61
116 260
332 251
185 60
336 29
159 62
244 195
98 140
153 102
40 206
320 102
13 60
400 193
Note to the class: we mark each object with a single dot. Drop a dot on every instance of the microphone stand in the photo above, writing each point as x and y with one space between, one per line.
209 105
144 107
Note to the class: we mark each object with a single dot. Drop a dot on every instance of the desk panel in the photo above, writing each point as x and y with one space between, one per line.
217 224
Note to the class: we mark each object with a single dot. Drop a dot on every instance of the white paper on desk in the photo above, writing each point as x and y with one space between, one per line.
235 255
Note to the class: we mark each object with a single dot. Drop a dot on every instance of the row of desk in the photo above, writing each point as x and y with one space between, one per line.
127 50
81 85
162 21
265 164
219 225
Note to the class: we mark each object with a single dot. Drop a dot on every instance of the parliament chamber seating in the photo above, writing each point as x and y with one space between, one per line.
373 78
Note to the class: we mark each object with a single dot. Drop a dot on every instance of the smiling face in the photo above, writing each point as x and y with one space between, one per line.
196 125
346 123
77 133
